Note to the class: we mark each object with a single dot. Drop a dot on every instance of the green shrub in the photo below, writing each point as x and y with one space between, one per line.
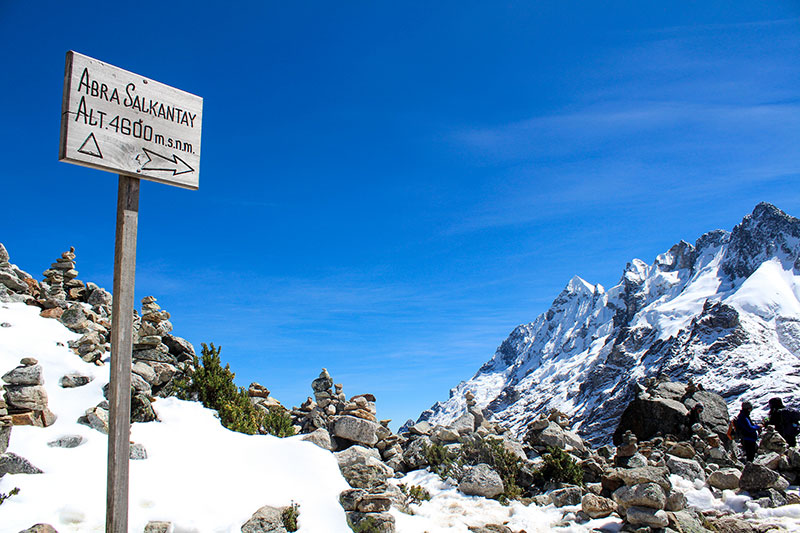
277 422
366 525
558 467
415 493
491 451
213 385
474 451
441 460
289 517
12 492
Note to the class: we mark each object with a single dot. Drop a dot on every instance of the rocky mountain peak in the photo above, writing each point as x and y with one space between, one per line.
766 233
723 312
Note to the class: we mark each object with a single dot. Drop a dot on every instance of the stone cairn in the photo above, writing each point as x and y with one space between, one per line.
260 398
158 356
62 282
5 422
15 284
25 396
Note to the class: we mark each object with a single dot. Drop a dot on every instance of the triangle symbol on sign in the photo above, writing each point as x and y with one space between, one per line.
89 147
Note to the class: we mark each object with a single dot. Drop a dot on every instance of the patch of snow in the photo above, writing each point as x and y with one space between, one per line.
198 475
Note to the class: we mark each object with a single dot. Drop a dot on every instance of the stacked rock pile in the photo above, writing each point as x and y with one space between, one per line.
5 422
159 359
259 397
61 281
15 284
25 395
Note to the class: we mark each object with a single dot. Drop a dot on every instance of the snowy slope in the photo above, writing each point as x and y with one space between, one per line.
724 312
198 475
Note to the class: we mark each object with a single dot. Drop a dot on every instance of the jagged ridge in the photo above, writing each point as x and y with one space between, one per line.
724 312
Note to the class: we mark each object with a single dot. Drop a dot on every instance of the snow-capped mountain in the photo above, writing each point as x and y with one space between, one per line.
724 312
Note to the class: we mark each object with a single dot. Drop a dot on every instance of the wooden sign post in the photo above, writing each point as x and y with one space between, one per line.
117 121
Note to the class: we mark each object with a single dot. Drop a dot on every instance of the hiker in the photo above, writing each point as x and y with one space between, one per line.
747 431
694 415
785 420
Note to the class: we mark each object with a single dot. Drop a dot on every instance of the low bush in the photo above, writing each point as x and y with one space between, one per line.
473 451
558 467
12 492
415 493
213 385
289 517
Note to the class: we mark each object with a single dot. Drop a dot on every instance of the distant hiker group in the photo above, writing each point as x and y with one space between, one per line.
786 422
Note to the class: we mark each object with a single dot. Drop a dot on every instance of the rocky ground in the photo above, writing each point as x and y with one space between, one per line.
638 484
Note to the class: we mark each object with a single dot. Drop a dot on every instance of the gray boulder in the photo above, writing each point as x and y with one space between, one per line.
97 418
137 451
646 474
481 480
11 463
641 495
66 441
40 528
556 436
99 297
348 499
356 430
444 435
596 506
686 468
321 438
73 380
362 467
33 397
648 417
757 478
463 424
646 516
414 454
715 411
24 375
266 520
75 318
725 479
158 527
420 428
566 496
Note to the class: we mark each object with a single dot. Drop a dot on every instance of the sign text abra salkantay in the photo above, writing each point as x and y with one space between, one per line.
118 121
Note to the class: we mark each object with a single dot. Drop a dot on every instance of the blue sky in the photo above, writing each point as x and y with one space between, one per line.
387 189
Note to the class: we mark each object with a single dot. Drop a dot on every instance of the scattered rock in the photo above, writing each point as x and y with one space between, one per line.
11 463
137 451
566 496
24 375
371 522
596 506
321 438
725 479
266 520
66 441
74 380
481 480
645 516
356 430
40 528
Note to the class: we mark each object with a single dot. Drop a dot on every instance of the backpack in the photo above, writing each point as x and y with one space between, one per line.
791 421
733 434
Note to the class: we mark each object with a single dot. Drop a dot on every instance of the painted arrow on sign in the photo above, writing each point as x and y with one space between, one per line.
159 162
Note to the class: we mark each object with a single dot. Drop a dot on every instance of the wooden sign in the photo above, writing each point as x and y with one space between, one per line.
118 121
114 120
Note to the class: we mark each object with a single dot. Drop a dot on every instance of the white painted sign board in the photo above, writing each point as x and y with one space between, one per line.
118 121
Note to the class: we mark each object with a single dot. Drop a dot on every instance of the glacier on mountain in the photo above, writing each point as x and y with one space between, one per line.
724 312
